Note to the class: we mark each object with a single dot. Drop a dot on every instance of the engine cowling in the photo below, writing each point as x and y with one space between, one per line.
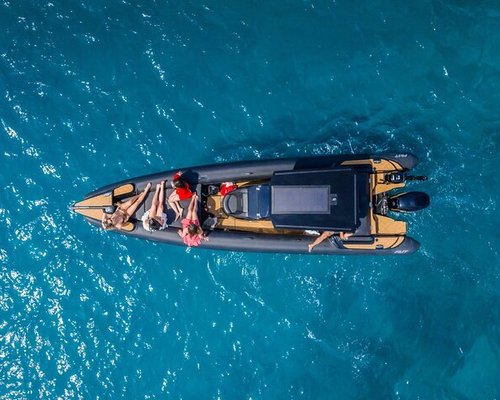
409 201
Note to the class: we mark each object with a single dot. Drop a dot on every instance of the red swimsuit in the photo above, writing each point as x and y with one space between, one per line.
184 193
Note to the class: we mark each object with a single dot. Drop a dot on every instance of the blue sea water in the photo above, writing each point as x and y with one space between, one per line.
94 91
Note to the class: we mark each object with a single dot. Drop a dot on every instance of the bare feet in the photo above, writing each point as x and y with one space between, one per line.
310 247
148 186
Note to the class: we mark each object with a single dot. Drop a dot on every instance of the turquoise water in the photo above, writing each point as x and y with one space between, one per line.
94 91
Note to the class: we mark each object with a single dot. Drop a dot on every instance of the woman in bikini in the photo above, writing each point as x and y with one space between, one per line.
155 218
182 192
191 232
124 211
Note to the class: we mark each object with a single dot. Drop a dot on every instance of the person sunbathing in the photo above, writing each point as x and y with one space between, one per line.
191 232
325 235
182 192
124 211
155 218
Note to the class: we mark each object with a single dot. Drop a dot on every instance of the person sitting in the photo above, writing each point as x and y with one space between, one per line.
124 211
191 232
326 235
182 192
155 218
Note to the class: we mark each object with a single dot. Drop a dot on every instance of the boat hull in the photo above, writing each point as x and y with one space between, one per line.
252 241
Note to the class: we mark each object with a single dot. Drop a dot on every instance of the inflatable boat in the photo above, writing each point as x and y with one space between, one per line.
282 205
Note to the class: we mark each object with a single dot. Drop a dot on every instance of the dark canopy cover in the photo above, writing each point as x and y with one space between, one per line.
324 200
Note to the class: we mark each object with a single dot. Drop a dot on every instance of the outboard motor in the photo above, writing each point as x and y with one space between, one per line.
409 201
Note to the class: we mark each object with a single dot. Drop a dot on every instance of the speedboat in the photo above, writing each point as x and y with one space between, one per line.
281 205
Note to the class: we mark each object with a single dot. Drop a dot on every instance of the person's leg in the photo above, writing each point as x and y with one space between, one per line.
154 203
190 208
325 235
195 208
192 213
161 201
132 209
173 201
123 206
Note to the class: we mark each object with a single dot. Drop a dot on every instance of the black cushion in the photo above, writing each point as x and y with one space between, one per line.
249 203
236 202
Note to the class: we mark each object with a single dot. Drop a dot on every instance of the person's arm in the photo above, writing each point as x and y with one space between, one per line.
319 239
183 231
345 235
202 234
103 219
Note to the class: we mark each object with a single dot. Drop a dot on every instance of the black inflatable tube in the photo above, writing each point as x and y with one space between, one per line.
256 169
252 242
